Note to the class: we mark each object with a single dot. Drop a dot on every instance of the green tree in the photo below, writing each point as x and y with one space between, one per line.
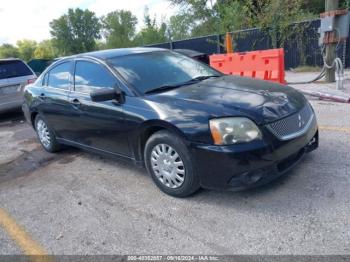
75 32
202 14
8 50
26 49
221 16
179 26
276 17
101 45
313 6
234 15
213 17
119 28
151 33
45 50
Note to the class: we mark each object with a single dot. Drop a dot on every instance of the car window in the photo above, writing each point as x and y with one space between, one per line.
13 68
147 71
59 76
91 76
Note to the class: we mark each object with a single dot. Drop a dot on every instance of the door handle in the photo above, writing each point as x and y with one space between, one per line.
75 102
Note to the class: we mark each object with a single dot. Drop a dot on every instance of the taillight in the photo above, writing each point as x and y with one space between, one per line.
31 81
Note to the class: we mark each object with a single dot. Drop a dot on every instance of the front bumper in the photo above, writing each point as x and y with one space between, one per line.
243 166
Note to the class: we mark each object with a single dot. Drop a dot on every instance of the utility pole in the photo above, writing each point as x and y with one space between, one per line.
330 5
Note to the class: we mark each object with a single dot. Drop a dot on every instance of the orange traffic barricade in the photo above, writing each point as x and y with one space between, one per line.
264 64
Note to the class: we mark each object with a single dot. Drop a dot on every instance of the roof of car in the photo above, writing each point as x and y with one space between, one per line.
110 53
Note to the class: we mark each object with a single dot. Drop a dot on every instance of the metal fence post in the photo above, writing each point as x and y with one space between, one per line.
218 48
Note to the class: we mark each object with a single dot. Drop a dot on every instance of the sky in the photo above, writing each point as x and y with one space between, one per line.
29 19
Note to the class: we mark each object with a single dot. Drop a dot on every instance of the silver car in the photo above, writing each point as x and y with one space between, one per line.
14 76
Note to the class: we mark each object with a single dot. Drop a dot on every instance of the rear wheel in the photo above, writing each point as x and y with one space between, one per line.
45 135
169 163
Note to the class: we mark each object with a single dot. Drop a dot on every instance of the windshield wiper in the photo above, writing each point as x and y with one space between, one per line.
201 78
189 82
162 88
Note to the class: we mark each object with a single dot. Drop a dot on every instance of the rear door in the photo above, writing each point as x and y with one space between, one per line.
98 125
54 104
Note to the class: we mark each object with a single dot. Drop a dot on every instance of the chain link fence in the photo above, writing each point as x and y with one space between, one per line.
301 46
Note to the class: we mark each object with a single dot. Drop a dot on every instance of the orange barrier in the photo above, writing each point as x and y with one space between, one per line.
264 64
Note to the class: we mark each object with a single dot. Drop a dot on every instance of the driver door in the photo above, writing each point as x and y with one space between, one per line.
96 125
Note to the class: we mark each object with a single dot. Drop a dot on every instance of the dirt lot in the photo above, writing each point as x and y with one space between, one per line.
79 203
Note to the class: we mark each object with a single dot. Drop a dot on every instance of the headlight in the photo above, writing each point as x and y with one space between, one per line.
233 130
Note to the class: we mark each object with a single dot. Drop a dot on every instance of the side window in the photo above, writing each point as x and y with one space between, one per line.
90 76
59 76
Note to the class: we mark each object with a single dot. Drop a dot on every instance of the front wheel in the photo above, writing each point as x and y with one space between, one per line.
169 163
46 135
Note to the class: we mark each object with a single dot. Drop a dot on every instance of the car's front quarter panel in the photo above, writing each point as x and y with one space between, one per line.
189 122
190 117
192 120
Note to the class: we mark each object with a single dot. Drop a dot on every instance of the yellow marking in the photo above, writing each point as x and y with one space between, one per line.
22 238
335 128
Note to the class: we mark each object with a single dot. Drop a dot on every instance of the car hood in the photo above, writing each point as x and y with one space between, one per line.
259 100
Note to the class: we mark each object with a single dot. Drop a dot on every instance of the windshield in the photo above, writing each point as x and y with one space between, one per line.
13 68
153 70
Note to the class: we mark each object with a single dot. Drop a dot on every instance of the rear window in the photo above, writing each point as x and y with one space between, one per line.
14 68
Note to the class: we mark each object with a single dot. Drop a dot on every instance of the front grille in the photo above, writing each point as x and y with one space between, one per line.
294 125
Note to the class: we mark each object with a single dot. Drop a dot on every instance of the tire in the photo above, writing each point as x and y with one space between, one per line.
45 135
169 163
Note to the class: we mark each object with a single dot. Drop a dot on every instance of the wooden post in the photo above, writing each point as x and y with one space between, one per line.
228 43
330 5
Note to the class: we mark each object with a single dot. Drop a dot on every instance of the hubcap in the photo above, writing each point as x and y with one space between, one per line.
43 133
168 166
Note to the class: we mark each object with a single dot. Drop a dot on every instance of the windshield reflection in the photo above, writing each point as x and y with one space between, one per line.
148 71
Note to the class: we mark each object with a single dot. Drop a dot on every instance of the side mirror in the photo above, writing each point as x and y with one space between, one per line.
107 95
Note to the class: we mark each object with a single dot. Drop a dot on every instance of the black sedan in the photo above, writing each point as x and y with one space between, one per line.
188 124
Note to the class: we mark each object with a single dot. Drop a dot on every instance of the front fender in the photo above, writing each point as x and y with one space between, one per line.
147 129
